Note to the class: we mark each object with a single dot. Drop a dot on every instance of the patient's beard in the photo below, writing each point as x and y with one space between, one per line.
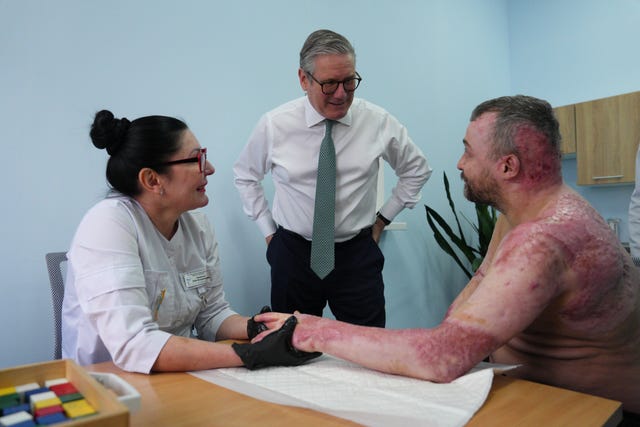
484 191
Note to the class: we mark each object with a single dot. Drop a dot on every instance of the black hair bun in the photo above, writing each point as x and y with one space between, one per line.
108 132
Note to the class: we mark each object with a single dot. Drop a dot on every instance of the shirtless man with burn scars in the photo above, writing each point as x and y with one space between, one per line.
556 293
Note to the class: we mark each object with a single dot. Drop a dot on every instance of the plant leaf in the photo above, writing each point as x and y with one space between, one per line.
461 244
444 245
475 228
452 205
486 223
475 265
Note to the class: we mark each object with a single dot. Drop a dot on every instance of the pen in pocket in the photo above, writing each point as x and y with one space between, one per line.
159 303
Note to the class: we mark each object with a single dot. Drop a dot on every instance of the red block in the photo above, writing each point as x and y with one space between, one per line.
62 389
48 410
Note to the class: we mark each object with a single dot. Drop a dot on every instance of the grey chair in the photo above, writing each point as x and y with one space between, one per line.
55 263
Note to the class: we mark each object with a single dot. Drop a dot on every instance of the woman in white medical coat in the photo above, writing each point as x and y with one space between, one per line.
144 287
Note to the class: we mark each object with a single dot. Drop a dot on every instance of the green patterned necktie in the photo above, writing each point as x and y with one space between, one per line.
322 240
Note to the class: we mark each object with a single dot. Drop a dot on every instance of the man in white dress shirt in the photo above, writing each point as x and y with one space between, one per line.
286 142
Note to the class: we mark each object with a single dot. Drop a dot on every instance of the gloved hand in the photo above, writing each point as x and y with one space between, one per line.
253 327
274 350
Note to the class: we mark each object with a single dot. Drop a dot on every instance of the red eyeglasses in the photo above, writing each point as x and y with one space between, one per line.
201 159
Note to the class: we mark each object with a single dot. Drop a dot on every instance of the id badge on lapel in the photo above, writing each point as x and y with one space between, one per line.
196 279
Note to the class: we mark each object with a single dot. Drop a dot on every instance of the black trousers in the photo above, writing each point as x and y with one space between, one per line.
354 289
629 419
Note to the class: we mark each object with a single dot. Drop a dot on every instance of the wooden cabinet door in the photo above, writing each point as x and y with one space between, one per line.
567 120
607 132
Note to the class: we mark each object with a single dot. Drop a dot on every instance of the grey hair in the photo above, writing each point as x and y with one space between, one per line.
323 42
514 112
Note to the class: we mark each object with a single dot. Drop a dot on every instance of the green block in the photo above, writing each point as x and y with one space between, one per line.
9 400
70 397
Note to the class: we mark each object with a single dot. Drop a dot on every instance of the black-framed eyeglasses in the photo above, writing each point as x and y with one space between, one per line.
201 159
331 86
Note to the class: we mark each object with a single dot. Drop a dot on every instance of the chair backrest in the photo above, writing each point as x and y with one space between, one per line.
55 262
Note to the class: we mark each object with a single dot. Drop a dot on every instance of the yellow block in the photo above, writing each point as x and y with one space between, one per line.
45 403
7 390
78 408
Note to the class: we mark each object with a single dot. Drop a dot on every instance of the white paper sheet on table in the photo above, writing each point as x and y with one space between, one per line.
368 397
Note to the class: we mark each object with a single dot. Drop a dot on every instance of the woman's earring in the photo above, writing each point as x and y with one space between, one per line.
162 191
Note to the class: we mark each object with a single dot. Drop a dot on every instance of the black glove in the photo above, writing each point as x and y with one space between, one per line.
274 350
253 327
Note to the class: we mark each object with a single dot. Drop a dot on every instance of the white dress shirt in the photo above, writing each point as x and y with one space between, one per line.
286 142
128 288
634 213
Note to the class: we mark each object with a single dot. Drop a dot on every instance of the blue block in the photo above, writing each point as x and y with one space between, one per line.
17 408
28 423
58 417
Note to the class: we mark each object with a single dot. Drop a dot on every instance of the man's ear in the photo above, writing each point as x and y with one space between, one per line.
509 166
150 181
304 79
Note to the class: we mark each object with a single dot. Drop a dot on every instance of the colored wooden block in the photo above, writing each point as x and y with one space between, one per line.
10 397
70 397
48 410
55 381
62 389
28 423
7 390
17 408
13 419
54 401
78 408
58 417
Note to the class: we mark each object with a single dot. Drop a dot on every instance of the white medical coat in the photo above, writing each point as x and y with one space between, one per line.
128 288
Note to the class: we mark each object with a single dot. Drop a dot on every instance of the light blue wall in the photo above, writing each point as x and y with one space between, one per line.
219 65
570 51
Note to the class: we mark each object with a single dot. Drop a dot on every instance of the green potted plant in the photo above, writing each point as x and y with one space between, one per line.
486 220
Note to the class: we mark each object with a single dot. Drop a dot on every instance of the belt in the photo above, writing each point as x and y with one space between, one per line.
362 233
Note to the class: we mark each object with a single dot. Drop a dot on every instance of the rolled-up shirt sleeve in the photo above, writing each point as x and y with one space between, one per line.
409 164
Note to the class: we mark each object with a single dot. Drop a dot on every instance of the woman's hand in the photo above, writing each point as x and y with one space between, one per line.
272 320
274 349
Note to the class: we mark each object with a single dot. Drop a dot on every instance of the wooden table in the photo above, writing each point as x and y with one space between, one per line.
180 399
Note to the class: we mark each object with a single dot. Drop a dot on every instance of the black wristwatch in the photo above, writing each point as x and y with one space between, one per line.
383 219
